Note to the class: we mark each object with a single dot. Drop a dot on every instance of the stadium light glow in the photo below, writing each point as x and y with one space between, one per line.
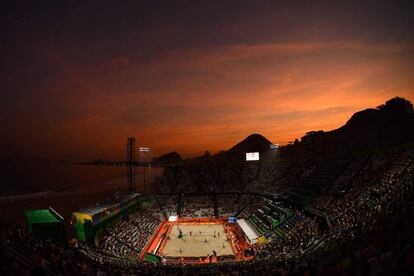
274 146
144 149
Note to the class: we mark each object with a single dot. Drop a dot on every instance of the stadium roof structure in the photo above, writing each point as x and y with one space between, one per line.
93 210
41 216
105 206
46 224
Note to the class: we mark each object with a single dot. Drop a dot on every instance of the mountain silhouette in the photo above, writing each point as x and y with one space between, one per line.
168 158
252 143
370 129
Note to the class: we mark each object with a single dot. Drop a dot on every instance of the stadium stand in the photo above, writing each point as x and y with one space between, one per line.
349 216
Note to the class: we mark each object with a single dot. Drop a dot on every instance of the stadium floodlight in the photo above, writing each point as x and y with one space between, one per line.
252 156
172 218
144 149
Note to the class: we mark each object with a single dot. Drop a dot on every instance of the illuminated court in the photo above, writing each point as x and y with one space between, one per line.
204 238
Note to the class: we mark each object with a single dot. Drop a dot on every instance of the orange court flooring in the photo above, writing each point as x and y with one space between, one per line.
207 234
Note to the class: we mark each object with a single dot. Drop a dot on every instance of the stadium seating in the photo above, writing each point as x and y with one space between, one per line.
342 215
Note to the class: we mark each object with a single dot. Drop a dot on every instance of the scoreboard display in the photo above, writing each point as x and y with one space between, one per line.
252 156
232 220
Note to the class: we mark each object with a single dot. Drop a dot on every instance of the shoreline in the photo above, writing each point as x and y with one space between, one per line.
65 203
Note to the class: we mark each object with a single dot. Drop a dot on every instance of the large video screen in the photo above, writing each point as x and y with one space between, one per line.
232 220
252 156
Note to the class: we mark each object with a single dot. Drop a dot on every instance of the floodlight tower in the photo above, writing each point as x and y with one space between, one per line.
131 164
144 158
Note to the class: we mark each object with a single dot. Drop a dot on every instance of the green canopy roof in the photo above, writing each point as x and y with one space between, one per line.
40 216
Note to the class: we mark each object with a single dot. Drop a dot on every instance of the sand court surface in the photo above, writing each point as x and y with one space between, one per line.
204 238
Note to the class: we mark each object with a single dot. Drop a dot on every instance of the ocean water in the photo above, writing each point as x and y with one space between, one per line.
33 184
22 178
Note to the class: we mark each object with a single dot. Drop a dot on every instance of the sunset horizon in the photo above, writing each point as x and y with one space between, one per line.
119 152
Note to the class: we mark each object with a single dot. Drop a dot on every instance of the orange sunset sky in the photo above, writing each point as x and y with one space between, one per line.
79 77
